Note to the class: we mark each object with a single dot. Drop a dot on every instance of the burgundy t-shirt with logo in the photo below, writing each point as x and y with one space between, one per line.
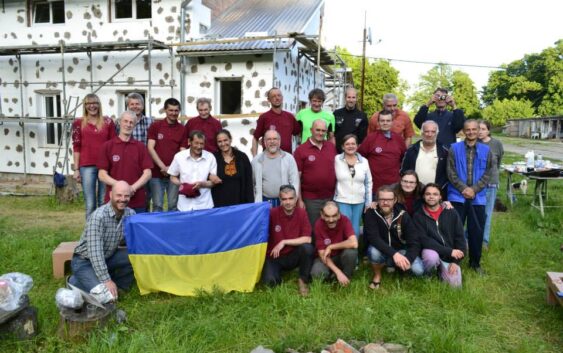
283 227
168 140
284 123
125 161
318 177
324 236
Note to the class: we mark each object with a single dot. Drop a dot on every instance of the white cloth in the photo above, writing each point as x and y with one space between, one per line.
352 190
426 164
190 170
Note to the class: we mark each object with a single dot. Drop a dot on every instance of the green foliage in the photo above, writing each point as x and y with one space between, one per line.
537 78
458 83
500 111
380 78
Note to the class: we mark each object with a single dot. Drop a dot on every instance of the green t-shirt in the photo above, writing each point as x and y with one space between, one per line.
307 116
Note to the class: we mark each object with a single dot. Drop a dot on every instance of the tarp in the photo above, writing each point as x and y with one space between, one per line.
185 252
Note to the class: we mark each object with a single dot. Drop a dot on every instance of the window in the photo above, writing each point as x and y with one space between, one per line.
230 96
48 12
52 109
137 9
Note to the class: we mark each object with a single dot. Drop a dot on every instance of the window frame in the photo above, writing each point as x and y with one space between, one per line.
134 14
57 128
32 4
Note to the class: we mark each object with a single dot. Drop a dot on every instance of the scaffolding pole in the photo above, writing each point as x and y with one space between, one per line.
19 57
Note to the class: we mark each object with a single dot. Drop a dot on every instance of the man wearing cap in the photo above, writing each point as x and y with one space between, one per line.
190 170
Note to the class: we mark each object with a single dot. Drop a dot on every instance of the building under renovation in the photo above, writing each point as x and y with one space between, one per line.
55 52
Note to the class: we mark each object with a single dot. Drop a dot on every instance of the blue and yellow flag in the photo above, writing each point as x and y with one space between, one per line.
185 252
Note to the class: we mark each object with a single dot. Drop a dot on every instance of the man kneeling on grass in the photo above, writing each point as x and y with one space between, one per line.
97 258
289 244
441 234
391 237
336 244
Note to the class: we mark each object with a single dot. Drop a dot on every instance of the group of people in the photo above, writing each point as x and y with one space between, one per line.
345 169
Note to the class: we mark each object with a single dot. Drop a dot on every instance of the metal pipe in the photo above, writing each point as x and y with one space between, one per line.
89 53
18 56
171 81
149 59
183 12
274 60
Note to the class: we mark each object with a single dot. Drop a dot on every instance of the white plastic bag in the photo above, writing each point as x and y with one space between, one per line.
102 293
68 298
15 286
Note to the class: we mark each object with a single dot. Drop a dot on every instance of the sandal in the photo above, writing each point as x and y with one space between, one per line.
374 285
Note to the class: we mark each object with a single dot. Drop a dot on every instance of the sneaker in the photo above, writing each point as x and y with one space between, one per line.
303 288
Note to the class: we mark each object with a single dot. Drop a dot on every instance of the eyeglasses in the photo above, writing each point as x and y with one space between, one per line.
408 182
385 200
92 103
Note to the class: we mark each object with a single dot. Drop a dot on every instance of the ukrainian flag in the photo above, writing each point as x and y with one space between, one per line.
186 252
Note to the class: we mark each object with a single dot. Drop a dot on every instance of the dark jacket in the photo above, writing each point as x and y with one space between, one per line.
449 123
390 239
441 236
234 190
349 122
409 162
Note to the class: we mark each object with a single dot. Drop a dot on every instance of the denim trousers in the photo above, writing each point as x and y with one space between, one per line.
489 208
377 257
92 188
119 268
476 218
158 187
354 213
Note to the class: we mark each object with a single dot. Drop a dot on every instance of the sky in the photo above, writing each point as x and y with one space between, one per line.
471 32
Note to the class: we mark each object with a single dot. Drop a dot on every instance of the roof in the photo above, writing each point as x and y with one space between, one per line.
258 18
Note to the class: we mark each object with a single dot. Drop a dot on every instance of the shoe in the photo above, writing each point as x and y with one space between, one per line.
303 288
374 285
485 247
479 270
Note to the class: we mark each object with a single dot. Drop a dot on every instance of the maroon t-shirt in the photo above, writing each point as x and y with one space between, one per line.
324 236
88 140
210 127
168 140
384 156
283 227
318 177
125 161
284 123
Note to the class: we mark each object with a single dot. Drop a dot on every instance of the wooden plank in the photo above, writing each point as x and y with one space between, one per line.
554 284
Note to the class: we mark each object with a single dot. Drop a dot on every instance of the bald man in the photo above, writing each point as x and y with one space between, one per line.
97 258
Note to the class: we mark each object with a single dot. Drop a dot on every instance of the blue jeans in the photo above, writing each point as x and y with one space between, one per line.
377 257
158 187
489 208
119 269
354 213
90 181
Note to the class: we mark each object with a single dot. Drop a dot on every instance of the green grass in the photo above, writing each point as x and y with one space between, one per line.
502 312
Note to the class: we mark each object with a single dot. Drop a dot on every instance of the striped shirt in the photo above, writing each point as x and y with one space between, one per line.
101 237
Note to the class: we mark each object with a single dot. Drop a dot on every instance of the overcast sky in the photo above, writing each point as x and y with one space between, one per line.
473 32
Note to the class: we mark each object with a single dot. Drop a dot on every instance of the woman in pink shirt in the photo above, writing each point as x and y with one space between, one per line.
89 133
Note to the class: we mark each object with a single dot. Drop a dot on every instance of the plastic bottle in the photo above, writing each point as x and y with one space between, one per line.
530 161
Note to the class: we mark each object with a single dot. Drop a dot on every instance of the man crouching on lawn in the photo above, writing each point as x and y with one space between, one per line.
336 244
289 244
97 258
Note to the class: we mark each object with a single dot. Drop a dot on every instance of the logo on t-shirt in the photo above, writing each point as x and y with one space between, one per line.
277 228
311 158
378 149
160 136
115 158
327 241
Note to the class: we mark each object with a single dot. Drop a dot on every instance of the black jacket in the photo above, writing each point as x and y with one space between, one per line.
441 236
449 123
409 162
347 121
390 239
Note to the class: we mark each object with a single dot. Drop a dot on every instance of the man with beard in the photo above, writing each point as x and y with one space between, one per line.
276 119
190 170
427 157
97 258
402 123
336 244
273 168
469 171
124 158
350 120
289 244
391 237
441 235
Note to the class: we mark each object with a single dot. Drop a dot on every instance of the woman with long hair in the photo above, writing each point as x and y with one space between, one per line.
497 151
408 191
233 184
89 133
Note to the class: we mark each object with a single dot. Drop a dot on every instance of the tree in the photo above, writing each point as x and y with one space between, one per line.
537 78
458 83
380 78
500 111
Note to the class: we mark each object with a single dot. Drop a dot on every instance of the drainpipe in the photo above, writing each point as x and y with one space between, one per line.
183 13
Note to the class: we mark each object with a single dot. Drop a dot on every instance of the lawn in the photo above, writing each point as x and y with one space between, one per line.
504 311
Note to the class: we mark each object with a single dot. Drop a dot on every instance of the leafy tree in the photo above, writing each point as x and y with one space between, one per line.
537 78
380 78
458 83
500 111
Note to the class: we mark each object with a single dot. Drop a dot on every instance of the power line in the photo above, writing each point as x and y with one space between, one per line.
428 62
